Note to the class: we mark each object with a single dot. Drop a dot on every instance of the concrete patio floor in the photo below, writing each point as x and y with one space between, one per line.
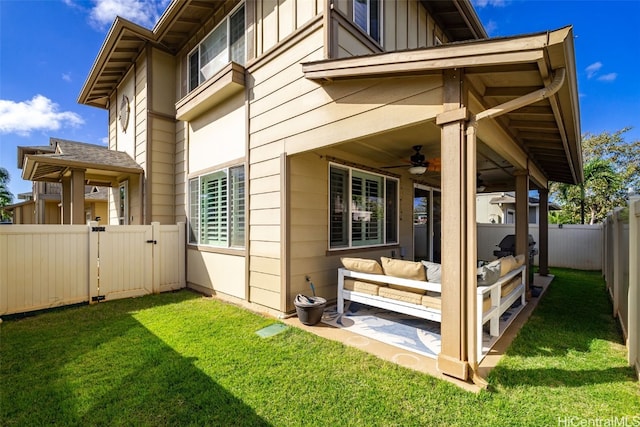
423 363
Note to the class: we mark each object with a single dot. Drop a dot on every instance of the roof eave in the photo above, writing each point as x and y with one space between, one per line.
119 26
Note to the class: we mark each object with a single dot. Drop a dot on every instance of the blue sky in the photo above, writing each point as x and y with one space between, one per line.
47 48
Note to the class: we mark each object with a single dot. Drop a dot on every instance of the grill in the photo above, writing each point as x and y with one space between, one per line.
508 247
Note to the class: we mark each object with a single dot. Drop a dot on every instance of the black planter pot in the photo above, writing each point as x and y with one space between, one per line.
309 309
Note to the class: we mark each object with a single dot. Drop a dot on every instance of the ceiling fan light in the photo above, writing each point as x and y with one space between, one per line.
417 170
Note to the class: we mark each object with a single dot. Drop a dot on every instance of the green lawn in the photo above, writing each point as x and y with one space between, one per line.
180 359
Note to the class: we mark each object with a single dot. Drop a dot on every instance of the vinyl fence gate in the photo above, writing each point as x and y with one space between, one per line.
54 265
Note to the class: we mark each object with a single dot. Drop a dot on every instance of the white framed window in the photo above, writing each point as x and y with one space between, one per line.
217 208
366 14
123 203
224 44
363 208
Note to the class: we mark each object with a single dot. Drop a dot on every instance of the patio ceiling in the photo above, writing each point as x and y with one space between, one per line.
497 71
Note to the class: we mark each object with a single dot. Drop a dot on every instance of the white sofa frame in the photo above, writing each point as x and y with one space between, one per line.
498 304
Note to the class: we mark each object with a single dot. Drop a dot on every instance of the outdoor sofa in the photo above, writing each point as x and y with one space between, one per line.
414 288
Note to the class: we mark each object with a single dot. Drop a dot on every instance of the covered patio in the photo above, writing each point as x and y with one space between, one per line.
75 165
497 115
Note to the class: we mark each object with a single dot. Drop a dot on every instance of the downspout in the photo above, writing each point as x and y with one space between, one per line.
472 126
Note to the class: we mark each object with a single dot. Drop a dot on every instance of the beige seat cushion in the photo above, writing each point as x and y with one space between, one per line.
510 286
486 303
361 286
362 265
432 300
399 295
519 260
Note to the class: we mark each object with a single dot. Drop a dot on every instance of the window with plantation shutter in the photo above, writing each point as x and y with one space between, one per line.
338 205
363 208
217 208
213 208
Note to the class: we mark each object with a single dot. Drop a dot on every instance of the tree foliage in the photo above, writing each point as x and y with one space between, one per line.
611 167
5 195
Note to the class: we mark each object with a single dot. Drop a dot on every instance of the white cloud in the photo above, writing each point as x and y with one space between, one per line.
484 3
142 12
608 77
66 77
36 114
491 27
593 69
105 140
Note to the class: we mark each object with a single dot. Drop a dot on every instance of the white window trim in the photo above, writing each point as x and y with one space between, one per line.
226 21
349 225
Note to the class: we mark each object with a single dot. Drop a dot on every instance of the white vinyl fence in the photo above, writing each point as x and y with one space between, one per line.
570 246
622 272
45 266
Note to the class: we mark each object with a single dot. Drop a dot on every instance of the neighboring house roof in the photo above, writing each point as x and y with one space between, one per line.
183 18
10 208
71 154
97 194
527 84
509 199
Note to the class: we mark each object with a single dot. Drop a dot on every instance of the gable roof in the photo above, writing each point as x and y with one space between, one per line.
126 40
65 154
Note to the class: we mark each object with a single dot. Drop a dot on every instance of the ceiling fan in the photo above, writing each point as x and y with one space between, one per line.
418 163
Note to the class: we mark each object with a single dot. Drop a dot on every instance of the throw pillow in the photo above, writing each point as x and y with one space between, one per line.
403 269
434 271
362 265
488 274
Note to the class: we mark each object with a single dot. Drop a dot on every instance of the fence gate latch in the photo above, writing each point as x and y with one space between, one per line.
97 229
155 242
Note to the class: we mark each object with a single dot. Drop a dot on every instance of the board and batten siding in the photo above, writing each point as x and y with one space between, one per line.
405 25
275 20
162 171
181 171
162 139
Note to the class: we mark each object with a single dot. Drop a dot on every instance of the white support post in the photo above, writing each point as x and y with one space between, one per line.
340 301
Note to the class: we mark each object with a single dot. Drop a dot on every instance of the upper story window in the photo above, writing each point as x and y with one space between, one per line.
363 208
224 44
366 14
